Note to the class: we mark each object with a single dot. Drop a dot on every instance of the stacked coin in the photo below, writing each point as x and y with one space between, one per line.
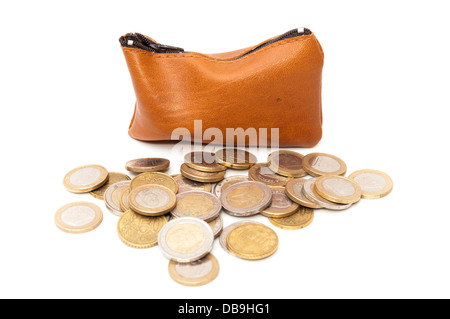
181 213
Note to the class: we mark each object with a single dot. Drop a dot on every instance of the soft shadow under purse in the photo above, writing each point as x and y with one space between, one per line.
273 88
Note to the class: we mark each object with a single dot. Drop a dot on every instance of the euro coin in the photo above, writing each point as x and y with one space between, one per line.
246 198
139 231
143 165
200 204
185 184
199 176
286 163
86 178
226 231
308 190
185 239
203 161
79 217
302 218
227 182
252 241
262 173
374 184
195 273
113 178
235 158
318 164
113 196
216 226
124 205
157 178
294 190
338 189
281 205
152 200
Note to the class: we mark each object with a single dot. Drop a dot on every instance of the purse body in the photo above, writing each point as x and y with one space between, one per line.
272 88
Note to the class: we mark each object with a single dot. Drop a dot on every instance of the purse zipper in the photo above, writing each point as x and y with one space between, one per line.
140 41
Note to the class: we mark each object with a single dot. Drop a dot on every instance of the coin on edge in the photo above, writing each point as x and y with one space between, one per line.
195 273
374 184
186 239
124 205
302 218
157 178
338 189
185 184
286 163
200 204
113 178
262 173
203 161
318 164
294 190
246 198
227 182
199 176
308 190
252 241
85 178
139 231
142 165
113 196
281 205
79 217
152 200
226 231
235 158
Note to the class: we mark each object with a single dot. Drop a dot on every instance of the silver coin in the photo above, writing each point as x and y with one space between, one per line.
200 204
111 202
185 239
228 181
246 198
312 196
226 231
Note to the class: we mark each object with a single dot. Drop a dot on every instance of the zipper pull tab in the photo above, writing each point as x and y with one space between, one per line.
162 48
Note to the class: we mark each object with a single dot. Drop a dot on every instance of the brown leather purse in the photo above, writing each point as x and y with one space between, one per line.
272 90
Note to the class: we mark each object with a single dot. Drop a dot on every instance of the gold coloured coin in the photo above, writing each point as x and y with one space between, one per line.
195 273
185 184
152 200
235 158
157 178
142 165
338 189
252 241
374 184
294 190
262 173
203 161
79 217
85 178
302 218
199 176
113 178
139 231
286 163
199 204
281 205
124 205
318 164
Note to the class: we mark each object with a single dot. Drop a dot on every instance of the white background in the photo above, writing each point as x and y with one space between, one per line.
66 100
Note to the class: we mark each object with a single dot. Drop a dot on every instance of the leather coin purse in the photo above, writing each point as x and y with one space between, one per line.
266 94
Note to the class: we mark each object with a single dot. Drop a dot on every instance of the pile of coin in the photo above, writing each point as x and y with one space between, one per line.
182 213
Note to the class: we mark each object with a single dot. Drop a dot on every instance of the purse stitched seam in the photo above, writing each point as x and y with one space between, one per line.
184 55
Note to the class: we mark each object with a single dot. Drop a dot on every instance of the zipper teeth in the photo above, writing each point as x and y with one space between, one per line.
140 41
